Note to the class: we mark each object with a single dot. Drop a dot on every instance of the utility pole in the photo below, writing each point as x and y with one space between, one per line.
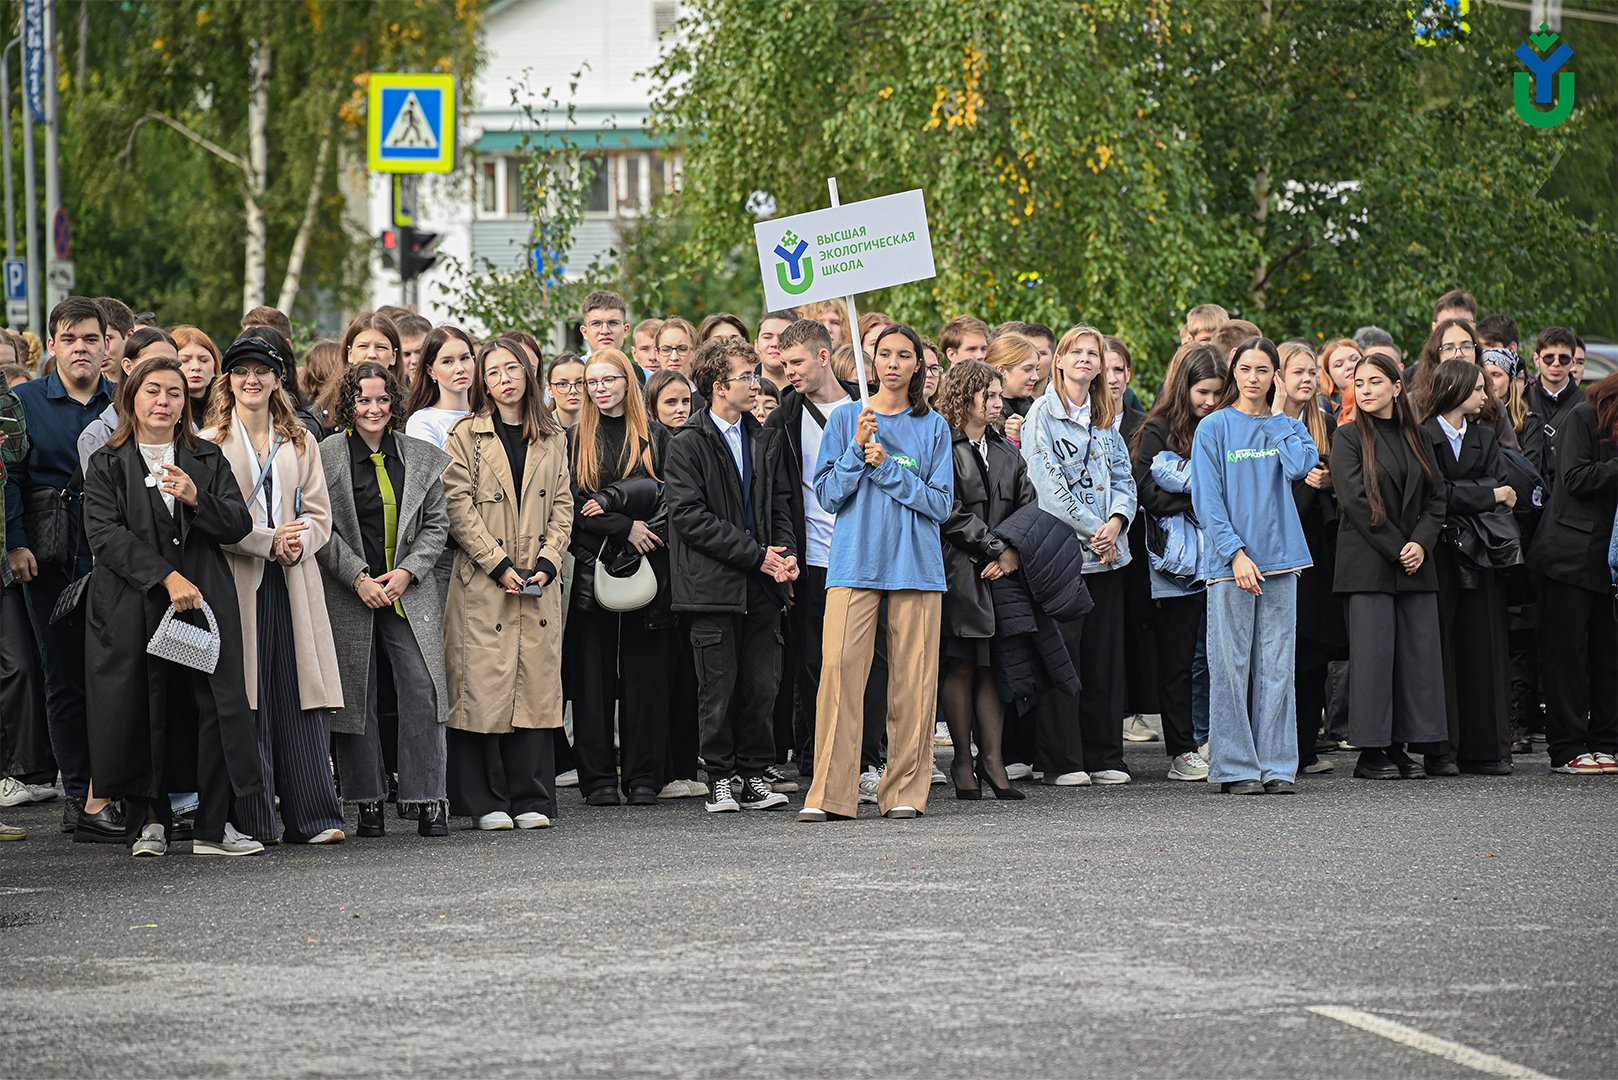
5 144
53 183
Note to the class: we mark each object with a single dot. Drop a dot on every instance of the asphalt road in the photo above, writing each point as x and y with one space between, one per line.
1158 929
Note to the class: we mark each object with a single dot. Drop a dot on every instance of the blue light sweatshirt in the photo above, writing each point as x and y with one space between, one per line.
1242 469
888 517
1081 475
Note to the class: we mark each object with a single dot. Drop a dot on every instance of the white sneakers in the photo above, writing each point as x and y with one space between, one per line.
495 822
941 735
1188 766
1068 779
1019 771
1136 729
14 792
568 779
234 843
1103 777
870 780
532 820
903 812
151 841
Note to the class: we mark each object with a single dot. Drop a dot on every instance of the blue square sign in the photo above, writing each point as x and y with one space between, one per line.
411 123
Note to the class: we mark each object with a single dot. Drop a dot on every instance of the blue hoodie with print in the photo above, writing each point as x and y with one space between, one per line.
1242 469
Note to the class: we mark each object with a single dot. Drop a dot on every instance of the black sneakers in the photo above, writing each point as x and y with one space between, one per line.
755 793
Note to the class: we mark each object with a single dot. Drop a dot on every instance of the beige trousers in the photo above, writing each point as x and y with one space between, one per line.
848 642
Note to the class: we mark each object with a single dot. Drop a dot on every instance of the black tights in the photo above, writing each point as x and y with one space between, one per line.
966 685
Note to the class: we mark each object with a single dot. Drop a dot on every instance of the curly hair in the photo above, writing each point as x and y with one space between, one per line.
958 393
349 388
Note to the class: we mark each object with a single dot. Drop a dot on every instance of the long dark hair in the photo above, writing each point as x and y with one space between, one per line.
1405 418
1263 345
1604 399
1421 383
1194 364
918 381
424 389
537 419
349 389
126 402
1452 383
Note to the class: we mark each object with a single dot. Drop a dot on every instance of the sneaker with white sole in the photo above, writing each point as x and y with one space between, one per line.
779 781
902 812
1105 777
695 789
497 821
1583 765
568 779
151 841
1188 766
1321 765
1019 771
532 820
1607 762
870 780
941 735
14 792
812 815
674 789
1136 729
722 799
755 794
233 843
938 776
12 832
1072 779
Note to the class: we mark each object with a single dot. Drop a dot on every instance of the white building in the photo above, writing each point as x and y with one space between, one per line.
534 46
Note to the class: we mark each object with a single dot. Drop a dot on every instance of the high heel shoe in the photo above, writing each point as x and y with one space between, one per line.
965 794
1008 792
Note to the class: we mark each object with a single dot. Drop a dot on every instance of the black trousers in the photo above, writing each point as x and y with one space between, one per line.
1311 664
684 731
25 734
738 662
1578 651
1083 733
612 659
61 652
1395 665
1477 657
1175 624
514 773
808 617
193 759
1143 660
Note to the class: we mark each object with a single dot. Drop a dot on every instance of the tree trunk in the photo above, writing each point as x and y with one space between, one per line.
84 43
257 179
1261 180
300 243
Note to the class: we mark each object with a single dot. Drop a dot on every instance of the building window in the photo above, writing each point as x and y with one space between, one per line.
516 197
599 199
489 188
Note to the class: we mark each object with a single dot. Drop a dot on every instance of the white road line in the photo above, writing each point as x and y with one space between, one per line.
1429 1044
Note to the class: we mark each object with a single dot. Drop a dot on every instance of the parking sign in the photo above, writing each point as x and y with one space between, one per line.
16 279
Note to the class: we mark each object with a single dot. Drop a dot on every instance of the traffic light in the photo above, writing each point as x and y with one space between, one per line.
417 252
390 248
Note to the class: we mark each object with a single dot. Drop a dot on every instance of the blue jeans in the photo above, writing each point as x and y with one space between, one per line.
1251 640
1199 684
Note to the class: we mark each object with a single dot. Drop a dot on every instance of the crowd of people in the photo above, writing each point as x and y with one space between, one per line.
252 596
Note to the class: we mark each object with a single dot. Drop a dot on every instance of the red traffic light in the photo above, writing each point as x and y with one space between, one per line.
390 239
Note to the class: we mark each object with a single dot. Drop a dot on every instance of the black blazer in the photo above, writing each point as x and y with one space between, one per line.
788 420
1570 545
1154 436
984 497
1368 557
1469 482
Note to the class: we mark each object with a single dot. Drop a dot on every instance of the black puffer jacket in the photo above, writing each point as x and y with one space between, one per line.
984 497
1029 655
1051 556
711 553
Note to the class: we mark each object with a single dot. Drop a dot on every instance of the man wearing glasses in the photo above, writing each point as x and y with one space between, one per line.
1550 397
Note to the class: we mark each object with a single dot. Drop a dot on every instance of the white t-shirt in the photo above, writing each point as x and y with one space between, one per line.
817 522
432 425
156 457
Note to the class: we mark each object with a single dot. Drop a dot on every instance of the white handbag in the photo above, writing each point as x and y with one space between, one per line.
182 643
624 593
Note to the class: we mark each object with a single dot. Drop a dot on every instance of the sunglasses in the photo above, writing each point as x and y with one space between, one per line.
1556 359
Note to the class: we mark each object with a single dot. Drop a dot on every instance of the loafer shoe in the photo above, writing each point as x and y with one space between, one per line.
151 841
1487 768
1280 787
71 809
1440 765
642 796
1374 765
103 827
603 797
1242 787
497 821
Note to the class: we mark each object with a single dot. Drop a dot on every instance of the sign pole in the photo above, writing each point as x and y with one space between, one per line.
853 322
30 202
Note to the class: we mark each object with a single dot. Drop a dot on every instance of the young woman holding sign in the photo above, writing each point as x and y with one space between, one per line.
886 471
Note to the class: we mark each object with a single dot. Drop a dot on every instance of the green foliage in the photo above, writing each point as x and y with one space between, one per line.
1119 161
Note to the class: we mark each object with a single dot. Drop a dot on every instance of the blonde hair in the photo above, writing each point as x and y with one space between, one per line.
1205 319
1313 418
637 433
222 410
1010 350
1102 409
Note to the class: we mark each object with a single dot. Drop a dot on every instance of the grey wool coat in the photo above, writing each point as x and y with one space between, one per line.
423 532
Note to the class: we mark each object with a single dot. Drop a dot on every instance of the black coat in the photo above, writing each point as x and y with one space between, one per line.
984 497
131 750
787 419
1029 654
1154 439
626 500
1368 557
711 554
1570 544
1541 434
1321 619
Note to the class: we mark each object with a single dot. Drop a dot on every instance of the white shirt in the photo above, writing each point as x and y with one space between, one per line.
817 522
1454 435
156 457
982 447
432 425
732 434
1080 414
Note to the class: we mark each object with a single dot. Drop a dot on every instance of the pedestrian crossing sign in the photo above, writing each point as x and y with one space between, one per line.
410 123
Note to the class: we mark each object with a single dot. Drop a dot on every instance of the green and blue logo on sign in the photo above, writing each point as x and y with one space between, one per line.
796 270
1534 88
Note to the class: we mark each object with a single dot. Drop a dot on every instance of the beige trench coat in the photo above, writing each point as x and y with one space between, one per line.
320 684
503 653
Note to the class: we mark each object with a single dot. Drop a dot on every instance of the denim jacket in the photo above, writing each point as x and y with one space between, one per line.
1082 474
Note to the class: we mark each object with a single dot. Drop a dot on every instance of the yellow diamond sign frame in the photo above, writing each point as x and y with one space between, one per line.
410 123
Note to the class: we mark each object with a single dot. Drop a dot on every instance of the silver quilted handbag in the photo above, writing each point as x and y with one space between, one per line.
182 643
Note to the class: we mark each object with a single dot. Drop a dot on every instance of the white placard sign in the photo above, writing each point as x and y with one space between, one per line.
844 250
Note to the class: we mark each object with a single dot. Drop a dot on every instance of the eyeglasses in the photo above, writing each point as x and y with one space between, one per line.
750 379
1463 348
1556 359
673 350
603 383
255 372
567 387
935 370
597 325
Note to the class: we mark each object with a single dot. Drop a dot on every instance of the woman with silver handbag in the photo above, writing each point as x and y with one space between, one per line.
167 709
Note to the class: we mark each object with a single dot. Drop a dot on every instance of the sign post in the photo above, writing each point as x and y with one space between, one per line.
838 253
854 322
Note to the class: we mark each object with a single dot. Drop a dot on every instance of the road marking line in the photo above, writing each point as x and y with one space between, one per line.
1428 1044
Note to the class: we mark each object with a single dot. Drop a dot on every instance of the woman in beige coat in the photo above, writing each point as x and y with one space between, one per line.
292 678
510 510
